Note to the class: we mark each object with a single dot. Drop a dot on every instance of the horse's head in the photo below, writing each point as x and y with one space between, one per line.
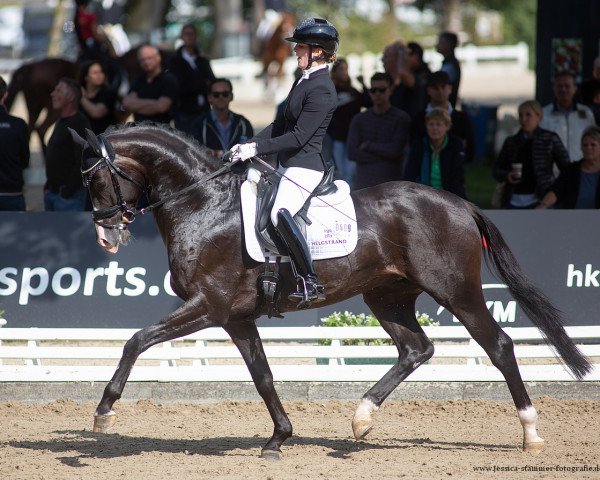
115 184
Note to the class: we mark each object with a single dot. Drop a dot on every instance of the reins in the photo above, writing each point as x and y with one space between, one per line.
129 214
141 211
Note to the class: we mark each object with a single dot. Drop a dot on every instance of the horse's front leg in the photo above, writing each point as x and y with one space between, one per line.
245 336
185 320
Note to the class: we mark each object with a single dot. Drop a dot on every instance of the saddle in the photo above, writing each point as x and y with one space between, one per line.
327 221
266 193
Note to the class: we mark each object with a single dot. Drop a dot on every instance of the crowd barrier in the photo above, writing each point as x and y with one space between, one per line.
90 355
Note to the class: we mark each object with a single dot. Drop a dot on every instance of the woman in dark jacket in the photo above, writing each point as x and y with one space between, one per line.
296 136
526 160
438 158
98 100
578 186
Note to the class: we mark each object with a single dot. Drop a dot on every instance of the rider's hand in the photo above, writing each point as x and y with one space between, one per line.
243 151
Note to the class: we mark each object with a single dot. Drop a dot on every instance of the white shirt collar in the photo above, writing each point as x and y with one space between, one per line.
188 57
306 73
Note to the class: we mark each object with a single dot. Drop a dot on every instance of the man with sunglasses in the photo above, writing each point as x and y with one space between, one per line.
220 128
378 137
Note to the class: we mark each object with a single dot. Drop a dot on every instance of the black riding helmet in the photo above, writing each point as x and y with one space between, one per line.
316 32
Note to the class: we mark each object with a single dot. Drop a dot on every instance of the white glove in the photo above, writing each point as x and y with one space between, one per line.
243 151
253 175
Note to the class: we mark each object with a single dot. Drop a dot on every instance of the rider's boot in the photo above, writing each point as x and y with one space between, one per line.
308 283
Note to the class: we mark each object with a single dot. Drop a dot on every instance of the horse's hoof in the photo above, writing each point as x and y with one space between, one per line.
533 447
361 428
270 455
103 423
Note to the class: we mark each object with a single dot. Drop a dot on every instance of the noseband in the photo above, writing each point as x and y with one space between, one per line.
105 159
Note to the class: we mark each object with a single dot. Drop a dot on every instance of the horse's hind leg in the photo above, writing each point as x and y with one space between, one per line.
245 336
185 320
395 310
469 307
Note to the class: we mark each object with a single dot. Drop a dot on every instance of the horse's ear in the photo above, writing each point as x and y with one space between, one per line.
93 142
77 138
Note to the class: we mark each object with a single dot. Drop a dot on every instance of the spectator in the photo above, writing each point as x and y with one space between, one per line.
565 116
98 99
155 92
591 87
404 64
439 89
595 103
194 75
410 94
578 186
437 159
14 156
349 103
93 43
446 45
526 160
220 129
64 190
378 137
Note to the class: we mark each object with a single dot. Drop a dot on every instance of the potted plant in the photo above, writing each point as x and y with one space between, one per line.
349 319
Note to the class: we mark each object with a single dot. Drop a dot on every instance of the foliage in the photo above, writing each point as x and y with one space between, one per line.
348 319
1 313
479 183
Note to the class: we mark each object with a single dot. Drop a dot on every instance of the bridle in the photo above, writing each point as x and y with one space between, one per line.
106 160
105 156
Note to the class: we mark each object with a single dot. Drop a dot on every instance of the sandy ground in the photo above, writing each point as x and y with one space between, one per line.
412 439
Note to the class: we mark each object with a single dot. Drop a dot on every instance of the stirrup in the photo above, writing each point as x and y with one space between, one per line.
306 292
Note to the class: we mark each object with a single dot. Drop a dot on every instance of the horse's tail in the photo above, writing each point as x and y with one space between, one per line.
15 85
532 300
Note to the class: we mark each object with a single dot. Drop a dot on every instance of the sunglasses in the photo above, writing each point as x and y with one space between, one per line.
220 94
377 90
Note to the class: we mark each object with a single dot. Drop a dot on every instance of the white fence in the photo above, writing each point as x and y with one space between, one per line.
47 354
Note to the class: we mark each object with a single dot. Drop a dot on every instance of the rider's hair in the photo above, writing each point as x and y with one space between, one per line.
329 57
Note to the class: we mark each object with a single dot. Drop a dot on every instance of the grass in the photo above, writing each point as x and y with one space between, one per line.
479 183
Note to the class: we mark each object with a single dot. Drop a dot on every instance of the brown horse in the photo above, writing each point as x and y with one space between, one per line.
37 79
412 239
275 50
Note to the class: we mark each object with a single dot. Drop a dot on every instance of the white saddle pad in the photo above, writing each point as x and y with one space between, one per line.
333 231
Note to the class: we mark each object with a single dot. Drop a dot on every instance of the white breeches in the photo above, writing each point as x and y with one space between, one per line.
294 188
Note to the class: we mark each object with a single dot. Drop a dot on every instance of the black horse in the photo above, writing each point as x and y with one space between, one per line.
412 239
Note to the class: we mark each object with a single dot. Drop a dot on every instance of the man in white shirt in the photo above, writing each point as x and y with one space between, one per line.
565 116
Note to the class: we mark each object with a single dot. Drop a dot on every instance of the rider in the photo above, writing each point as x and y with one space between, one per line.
296 136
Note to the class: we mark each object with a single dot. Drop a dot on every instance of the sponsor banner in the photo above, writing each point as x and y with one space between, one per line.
53 274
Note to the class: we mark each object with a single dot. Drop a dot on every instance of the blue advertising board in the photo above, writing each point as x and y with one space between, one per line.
53 274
